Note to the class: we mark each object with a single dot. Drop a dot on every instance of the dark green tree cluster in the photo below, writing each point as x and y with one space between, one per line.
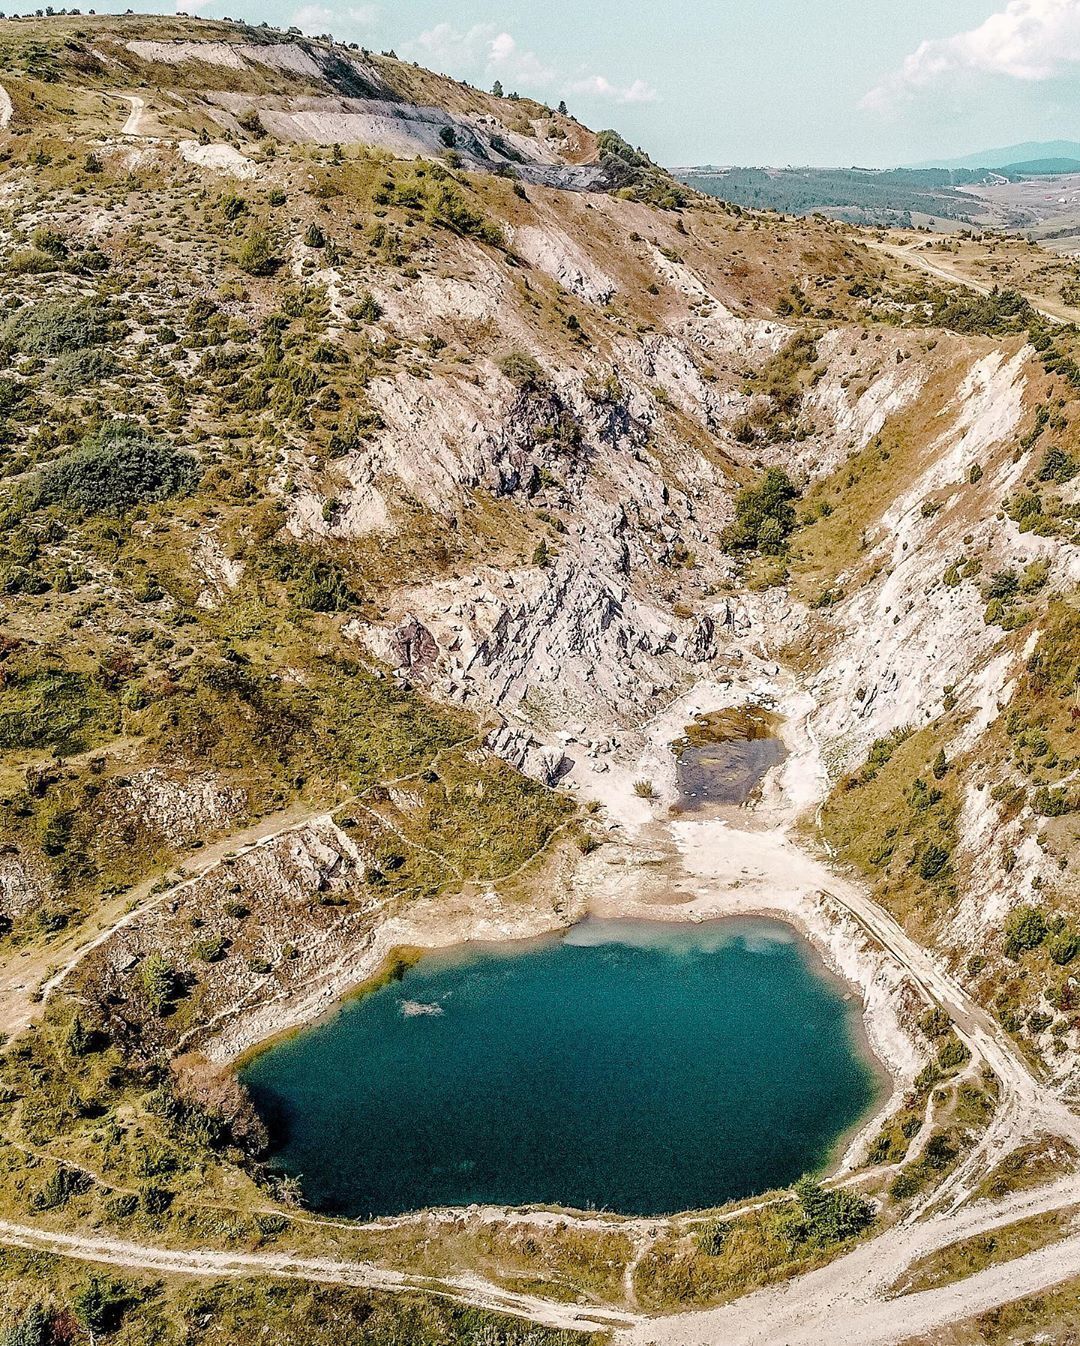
764 515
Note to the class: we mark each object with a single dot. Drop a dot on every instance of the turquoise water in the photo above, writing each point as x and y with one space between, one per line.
643 1067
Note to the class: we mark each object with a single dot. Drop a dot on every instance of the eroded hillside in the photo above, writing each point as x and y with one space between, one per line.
386 467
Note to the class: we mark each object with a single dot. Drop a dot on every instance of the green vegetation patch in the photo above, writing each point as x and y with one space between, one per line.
53 707
117 470
56 326
764 515
895 819
731 1257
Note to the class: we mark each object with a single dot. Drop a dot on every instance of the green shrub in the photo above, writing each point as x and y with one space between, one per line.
1057 465
117 470
952 1053
233 206
713 1237
158 981
50 240
60 1186
447 207
55 327
999 312
934 1022
358 424
521 369
99 1305
210 949
1025 928
1064 946
256 254
995 612
31 262
1052 802
75 369
366 309
831 1216
764 515
932 861
1003 584
32 1328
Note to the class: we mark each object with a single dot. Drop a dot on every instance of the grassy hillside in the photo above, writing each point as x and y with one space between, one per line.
356 426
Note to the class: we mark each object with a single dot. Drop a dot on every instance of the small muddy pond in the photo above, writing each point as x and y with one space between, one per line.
642 1067
723 757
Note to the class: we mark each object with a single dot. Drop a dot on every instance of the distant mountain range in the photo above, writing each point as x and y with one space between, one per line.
1023 157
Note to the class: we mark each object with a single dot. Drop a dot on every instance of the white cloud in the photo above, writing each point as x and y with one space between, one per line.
597 86
507 61
483 47
490 53
446 49
314 19
1027 40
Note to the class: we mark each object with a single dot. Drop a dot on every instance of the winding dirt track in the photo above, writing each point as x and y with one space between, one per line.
851 1291
30 977
133 125
365 1275
909 253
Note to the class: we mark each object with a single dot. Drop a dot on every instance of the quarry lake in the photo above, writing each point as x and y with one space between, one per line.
640 1067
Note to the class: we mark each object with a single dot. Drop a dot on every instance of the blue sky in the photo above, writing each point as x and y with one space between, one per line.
746 81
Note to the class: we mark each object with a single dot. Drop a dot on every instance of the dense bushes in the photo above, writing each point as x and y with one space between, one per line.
830 1216
1025 928
53 708
118 469
764 515
994 314
55 327
74 369
316 583
447 207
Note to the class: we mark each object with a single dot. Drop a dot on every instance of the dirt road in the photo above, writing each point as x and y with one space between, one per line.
133 125
912 254
472 1290
28 977
852 1290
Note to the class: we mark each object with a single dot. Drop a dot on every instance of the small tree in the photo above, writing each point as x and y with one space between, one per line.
158 982
562 108
497 89
1025 928
256 255
99 1305
32 1329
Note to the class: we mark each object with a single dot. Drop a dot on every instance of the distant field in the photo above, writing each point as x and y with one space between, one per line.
862 196
1024 198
